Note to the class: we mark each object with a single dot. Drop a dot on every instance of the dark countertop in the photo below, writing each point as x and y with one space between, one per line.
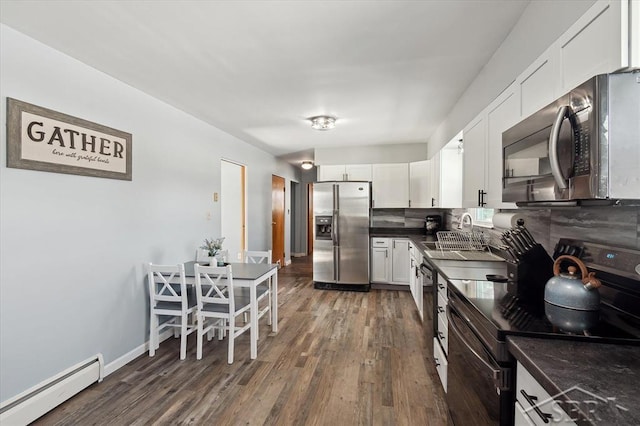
609 373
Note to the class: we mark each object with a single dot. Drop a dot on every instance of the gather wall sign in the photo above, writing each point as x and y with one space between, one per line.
42 139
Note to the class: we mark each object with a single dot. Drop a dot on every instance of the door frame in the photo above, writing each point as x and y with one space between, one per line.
243 185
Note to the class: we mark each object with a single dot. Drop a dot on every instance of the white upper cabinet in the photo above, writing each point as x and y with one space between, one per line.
450 184
474 162
420 179
342 172
503 113
482 176
390 185
605 39
358 172
330 172
435 181
599 42
538 84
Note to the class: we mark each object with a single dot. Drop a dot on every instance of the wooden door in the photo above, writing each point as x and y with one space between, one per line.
277 216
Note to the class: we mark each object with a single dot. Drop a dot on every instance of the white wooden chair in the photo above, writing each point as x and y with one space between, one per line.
202 254
264 289
218 305
169 298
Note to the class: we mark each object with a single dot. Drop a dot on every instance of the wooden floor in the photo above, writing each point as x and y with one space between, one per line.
339 358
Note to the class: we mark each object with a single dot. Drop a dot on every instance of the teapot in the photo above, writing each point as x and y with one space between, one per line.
572 302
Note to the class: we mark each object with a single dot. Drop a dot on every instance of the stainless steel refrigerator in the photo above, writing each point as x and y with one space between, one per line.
341 234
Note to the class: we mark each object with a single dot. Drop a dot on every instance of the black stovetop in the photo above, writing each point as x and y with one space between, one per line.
505 314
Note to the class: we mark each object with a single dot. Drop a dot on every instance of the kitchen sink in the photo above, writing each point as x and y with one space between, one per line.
463 255
433 252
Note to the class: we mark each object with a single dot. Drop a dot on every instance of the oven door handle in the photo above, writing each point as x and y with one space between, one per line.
499 374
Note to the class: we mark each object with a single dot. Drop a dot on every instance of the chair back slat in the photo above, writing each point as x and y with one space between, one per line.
214 284
167 283
254 256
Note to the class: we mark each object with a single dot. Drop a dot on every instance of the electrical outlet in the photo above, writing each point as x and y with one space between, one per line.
215 197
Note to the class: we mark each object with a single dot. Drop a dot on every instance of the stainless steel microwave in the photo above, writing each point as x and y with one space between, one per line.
583 147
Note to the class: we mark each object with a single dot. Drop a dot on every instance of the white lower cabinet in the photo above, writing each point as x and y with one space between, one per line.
390 261
440 361
441 328
380 260
400 261
534 405
415 279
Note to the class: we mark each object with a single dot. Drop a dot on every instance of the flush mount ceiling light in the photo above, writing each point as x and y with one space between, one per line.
323 122
307 165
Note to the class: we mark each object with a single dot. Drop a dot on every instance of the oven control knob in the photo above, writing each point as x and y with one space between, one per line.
638 268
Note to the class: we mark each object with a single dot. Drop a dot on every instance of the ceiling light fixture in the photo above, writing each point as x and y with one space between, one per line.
307 165
323 122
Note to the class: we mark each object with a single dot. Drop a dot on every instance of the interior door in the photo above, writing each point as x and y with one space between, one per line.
277 218
233 212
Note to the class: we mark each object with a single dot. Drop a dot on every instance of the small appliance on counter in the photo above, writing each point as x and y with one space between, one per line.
432 224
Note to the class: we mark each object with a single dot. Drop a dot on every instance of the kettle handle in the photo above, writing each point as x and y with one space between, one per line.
588 278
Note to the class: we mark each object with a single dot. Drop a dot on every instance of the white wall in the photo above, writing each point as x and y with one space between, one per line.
371 154
72 248
539 26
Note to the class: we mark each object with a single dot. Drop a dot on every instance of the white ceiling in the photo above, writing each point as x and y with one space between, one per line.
389 71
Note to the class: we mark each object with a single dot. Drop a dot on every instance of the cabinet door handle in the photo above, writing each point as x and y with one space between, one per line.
386 253
433 202
441 309
531 399
435 361
481 194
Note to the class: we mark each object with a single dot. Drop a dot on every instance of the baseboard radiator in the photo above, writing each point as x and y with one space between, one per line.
37 401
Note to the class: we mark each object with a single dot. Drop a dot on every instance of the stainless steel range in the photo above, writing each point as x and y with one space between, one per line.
482 314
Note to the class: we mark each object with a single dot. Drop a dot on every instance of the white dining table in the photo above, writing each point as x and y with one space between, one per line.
248 275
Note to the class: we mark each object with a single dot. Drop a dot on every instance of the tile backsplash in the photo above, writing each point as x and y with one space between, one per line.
614 225
406 218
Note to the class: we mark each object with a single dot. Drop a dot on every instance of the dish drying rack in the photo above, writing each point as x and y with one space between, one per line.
461 241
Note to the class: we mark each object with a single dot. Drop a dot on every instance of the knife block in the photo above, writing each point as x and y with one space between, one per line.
528 277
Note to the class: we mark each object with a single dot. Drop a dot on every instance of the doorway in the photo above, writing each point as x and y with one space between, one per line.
233 210
277 219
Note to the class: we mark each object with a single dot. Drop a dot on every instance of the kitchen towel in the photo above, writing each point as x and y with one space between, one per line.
507 220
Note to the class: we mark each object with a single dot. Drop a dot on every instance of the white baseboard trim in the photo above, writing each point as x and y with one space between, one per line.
298 254
287 262
133 354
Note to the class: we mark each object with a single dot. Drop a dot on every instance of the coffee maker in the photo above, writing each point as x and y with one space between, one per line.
432 224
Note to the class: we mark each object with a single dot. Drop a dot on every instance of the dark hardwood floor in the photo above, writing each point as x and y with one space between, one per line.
339 358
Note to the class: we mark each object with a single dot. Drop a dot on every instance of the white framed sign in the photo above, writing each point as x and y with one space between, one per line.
42 139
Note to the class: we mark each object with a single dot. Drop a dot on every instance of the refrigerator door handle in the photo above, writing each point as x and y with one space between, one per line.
336 260
336 214
336 234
